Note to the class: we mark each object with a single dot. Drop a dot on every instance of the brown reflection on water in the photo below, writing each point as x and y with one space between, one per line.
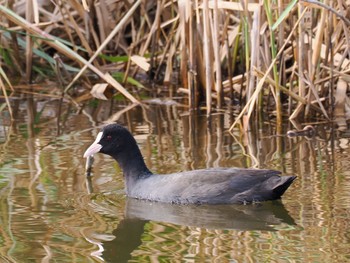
48 213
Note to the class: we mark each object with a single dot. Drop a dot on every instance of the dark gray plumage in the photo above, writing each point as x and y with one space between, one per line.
210 186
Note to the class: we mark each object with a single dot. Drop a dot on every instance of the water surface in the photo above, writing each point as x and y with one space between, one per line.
50 211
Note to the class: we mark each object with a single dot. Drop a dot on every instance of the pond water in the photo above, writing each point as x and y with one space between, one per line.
51 212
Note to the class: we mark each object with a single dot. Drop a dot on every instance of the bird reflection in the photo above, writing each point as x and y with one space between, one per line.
264 216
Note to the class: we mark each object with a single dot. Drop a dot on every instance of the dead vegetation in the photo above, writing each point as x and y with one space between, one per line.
291 58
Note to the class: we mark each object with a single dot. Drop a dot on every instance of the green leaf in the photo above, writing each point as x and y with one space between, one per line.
42 54
284 14
115 58
6 56
119 76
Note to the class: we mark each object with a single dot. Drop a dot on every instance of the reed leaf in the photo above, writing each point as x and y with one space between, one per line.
284 14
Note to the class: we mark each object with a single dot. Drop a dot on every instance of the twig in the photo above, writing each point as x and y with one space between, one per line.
314 2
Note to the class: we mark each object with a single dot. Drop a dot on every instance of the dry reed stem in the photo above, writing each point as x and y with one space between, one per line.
77 30
183 28
289 92
250 104
255 43
154 27
318 43
318 4
251 7
207 57
192 75
3 74
174 33
314 92
53 42
102 46
3 88
172 53
166 48
29 43
216 44
267 6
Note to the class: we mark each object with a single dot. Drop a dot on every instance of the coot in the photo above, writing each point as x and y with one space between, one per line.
206 186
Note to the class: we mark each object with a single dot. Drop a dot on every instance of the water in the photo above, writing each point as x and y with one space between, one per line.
50 212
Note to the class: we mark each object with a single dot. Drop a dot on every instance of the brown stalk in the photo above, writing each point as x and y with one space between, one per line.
301 58
183 26
216 45
172 53
77 30
315 3
255 43
249 106
192 73
165 50
207 57
155 26
290 93
3 88
61 6
316 49
104 19
29 44
315 94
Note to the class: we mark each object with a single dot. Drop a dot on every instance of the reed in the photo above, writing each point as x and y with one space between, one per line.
277 49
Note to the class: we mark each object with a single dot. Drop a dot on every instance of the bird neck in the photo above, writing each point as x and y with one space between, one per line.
133 166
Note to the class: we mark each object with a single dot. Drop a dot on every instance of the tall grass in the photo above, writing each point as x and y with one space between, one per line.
279 56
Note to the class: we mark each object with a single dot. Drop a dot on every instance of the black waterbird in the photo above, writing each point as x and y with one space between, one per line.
205 186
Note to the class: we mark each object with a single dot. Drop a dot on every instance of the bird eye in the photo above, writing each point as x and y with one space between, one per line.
109 137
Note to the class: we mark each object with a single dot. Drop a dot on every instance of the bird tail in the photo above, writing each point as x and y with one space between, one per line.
286 181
